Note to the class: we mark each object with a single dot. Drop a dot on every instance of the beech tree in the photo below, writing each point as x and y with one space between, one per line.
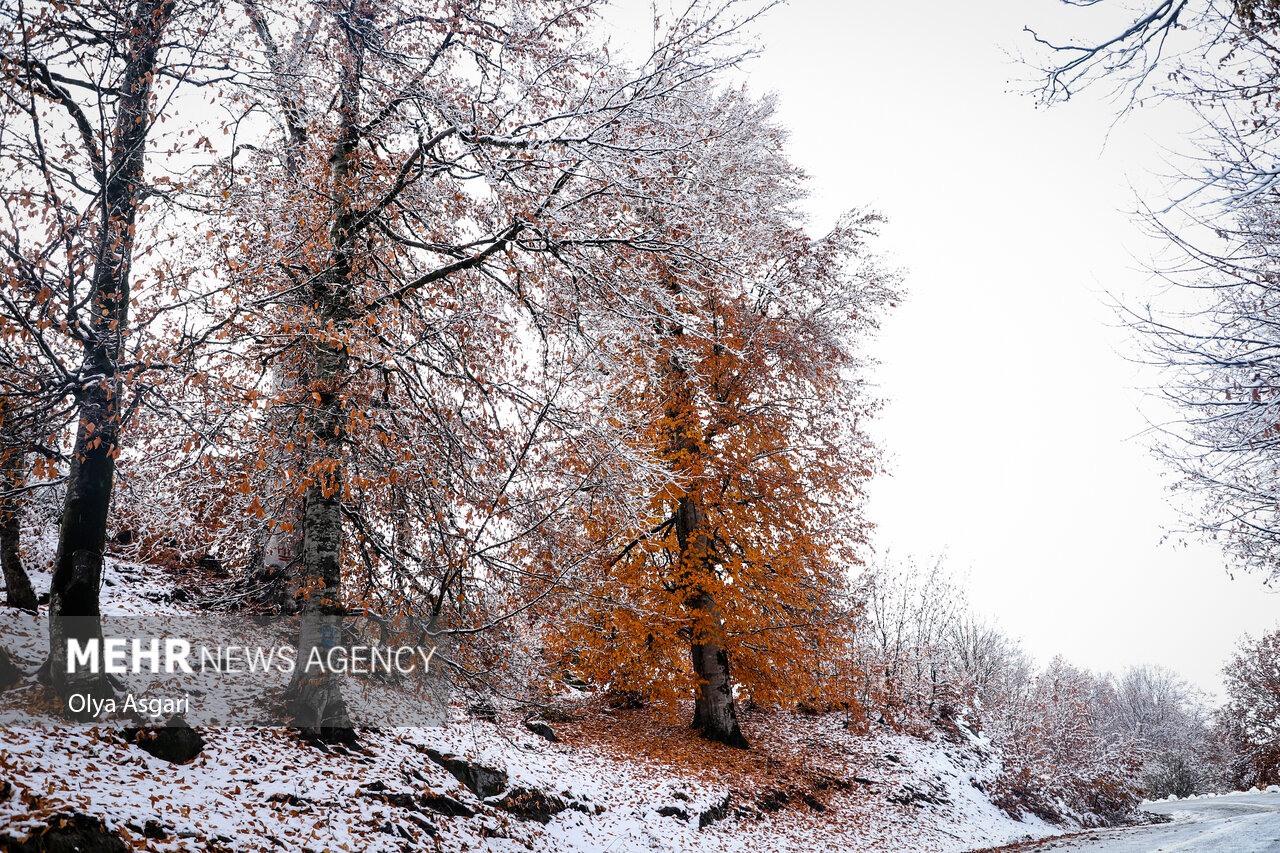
1154 705
83 90
470 309
1061 759
1219 351
751 406
983 655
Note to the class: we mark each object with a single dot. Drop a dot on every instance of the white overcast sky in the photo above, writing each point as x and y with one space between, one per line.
1013 423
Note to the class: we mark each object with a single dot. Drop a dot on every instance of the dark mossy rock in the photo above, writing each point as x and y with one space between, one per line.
530 804
482 781
774 801
542 730
175 741
68 833
918 795
715 813
483 711
211 566
10 674
152 829
556 715
438 803
445 805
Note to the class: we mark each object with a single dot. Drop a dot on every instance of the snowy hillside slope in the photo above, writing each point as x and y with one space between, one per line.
615 781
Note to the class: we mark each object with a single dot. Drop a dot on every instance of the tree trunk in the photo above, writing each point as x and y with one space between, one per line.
277 552
715 713
281 548
314 697
18 591
277 548
77 567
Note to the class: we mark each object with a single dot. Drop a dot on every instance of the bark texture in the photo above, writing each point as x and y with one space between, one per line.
715 713
278 556
77 571
18 591
314 698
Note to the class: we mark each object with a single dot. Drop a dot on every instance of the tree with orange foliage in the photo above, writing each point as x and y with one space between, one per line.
752 407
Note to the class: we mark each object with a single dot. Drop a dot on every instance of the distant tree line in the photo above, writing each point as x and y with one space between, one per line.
1074 743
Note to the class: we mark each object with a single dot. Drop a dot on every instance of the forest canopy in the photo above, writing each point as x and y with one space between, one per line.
437 320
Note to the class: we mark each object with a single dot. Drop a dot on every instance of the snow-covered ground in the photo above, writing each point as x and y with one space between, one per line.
617 781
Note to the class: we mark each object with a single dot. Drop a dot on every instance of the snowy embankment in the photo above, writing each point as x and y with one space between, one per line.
1173 798
614 781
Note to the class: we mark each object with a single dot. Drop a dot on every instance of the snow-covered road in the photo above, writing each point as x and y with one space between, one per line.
1235 823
